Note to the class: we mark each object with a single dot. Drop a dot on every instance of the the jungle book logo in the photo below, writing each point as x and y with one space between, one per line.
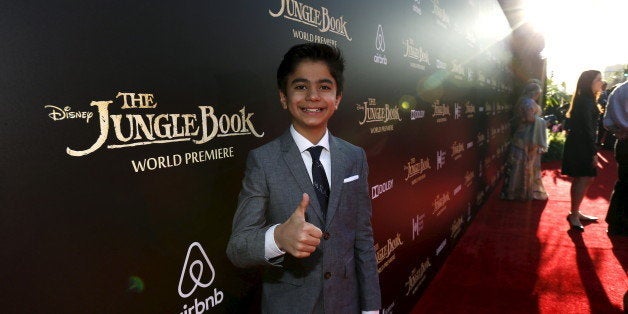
440 203
385 255
418 57
137 127
198 272
456 150
415 169
441 15
417 277
379 114
441 111
468 178
319 18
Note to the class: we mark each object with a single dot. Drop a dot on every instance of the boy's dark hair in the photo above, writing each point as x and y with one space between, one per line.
312 52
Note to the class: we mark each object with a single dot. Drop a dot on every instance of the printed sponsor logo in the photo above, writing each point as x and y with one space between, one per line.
416 169
418 224
440 248
500 107
417 277
389 309
469 109
440 203
380 45
470 75
457 111
489 108
481 138
378 114
441 111
468 178
441 65
442 18
456 150
417 114
479 198
380 189
440 159
458 69
468 211
487 162
418 58
385 255
456 226
58 114
458 189
482 78
198 273
416 7
318 18
139 129
471 38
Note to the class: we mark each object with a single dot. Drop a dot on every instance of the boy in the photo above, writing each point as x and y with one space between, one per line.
304 209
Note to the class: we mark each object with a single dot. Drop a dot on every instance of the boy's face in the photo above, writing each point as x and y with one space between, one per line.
310 96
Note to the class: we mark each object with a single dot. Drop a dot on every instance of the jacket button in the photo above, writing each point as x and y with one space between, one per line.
327 275
326 235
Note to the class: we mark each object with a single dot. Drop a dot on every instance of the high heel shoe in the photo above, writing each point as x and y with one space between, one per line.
575 223
584 217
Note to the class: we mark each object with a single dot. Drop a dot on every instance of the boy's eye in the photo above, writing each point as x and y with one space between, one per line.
300 87
325 87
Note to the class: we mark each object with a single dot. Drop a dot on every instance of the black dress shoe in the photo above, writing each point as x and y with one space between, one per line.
584 217
575 223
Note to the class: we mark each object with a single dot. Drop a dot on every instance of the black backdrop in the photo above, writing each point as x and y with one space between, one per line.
135 217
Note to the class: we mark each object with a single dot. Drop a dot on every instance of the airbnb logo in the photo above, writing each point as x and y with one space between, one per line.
195 270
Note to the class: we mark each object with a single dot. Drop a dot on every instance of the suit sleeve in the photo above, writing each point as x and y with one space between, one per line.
246 244
366 264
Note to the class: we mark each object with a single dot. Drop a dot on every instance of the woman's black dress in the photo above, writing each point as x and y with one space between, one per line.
580 143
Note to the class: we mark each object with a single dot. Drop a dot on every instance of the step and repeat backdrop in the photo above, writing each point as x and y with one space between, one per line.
126 125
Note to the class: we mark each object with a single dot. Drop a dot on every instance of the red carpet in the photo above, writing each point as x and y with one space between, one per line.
521 257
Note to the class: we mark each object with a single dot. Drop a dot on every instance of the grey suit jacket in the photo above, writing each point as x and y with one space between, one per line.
343 266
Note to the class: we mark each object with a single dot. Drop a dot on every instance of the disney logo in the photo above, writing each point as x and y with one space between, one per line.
57 113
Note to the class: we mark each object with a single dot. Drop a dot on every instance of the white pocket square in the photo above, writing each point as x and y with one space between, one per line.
351 178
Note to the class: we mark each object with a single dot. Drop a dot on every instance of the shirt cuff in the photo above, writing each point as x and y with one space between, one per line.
271 250
370 312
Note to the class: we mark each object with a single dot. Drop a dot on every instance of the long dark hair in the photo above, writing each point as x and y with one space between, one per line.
583 89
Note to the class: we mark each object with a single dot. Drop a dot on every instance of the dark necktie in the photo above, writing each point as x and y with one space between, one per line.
319 179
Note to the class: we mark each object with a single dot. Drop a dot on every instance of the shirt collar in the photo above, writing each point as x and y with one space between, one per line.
303 143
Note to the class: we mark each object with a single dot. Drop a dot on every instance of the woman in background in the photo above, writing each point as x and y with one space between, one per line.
580 153
529 141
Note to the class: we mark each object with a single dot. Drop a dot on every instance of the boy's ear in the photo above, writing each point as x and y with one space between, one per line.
283 100
338 99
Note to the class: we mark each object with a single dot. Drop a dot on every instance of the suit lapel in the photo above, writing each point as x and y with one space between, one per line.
292 158
338 170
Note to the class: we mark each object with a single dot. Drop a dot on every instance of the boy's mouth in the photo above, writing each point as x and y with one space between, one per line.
312 110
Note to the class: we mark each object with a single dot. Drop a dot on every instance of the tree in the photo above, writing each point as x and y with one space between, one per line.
556 98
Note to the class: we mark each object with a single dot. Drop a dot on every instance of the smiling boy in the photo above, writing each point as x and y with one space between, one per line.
304 211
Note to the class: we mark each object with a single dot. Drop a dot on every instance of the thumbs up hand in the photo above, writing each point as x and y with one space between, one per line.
297 236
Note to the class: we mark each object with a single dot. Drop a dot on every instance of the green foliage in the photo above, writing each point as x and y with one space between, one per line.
556 143
555 96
